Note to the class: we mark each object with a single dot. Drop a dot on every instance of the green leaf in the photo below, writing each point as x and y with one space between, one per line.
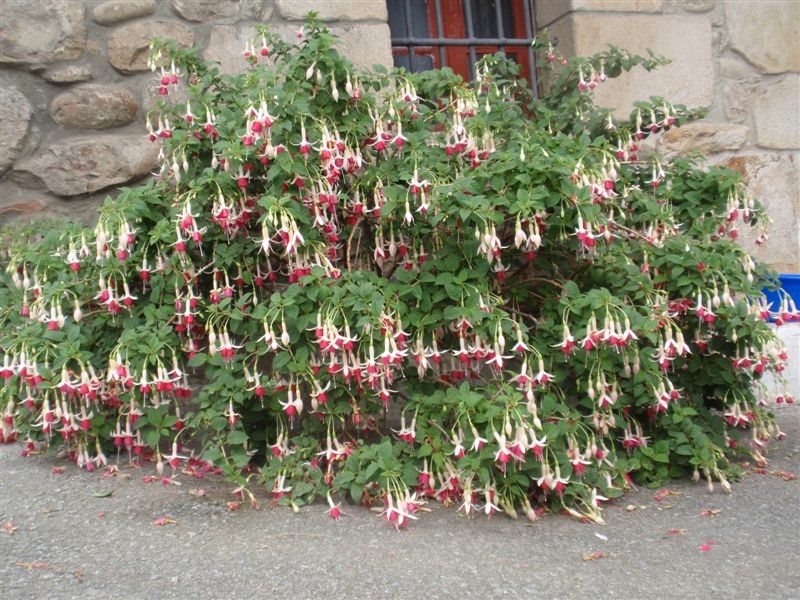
212 455
281 360
152 438
370 471
301 488
198 360
424 450
355 492
343 478
236 437
572 289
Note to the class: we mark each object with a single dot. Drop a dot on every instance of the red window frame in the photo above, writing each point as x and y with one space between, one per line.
458 57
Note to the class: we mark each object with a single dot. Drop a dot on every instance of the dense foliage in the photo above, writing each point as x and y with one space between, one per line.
396 288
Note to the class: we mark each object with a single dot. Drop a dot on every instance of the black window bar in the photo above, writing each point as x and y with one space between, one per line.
403 19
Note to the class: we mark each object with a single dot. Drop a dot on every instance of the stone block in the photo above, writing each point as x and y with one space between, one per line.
686 40
226 43
334 10
41 32
703 137
68 74
642 6
117 11
733 66
151 95
549 11
698 6
766 33
206 10
774 180
10 209
20 204
776 112
255 10
93 106
735 101
15 118
128 45
377 51
16 201
84 165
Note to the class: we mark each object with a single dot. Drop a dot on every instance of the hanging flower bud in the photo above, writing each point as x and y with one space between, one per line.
334 90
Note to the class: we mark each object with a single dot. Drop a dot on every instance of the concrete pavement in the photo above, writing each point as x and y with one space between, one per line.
71 544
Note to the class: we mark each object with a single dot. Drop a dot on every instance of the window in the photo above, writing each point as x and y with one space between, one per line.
428 34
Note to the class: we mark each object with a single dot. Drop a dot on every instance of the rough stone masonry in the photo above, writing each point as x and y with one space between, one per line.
74 86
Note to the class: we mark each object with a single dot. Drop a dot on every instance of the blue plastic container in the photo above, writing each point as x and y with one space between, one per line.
790 284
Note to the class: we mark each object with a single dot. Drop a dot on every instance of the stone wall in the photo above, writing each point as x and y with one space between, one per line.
740 58
75 89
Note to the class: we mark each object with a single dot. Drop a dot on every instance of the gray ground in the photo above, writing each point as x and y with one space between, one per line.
64 549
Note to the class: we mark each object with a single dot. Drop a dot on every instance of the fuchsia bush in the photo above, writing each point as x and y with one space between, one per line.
399 288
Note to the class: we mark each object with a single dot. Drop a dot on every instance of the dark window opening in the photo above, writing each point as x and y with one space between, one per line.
484 18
